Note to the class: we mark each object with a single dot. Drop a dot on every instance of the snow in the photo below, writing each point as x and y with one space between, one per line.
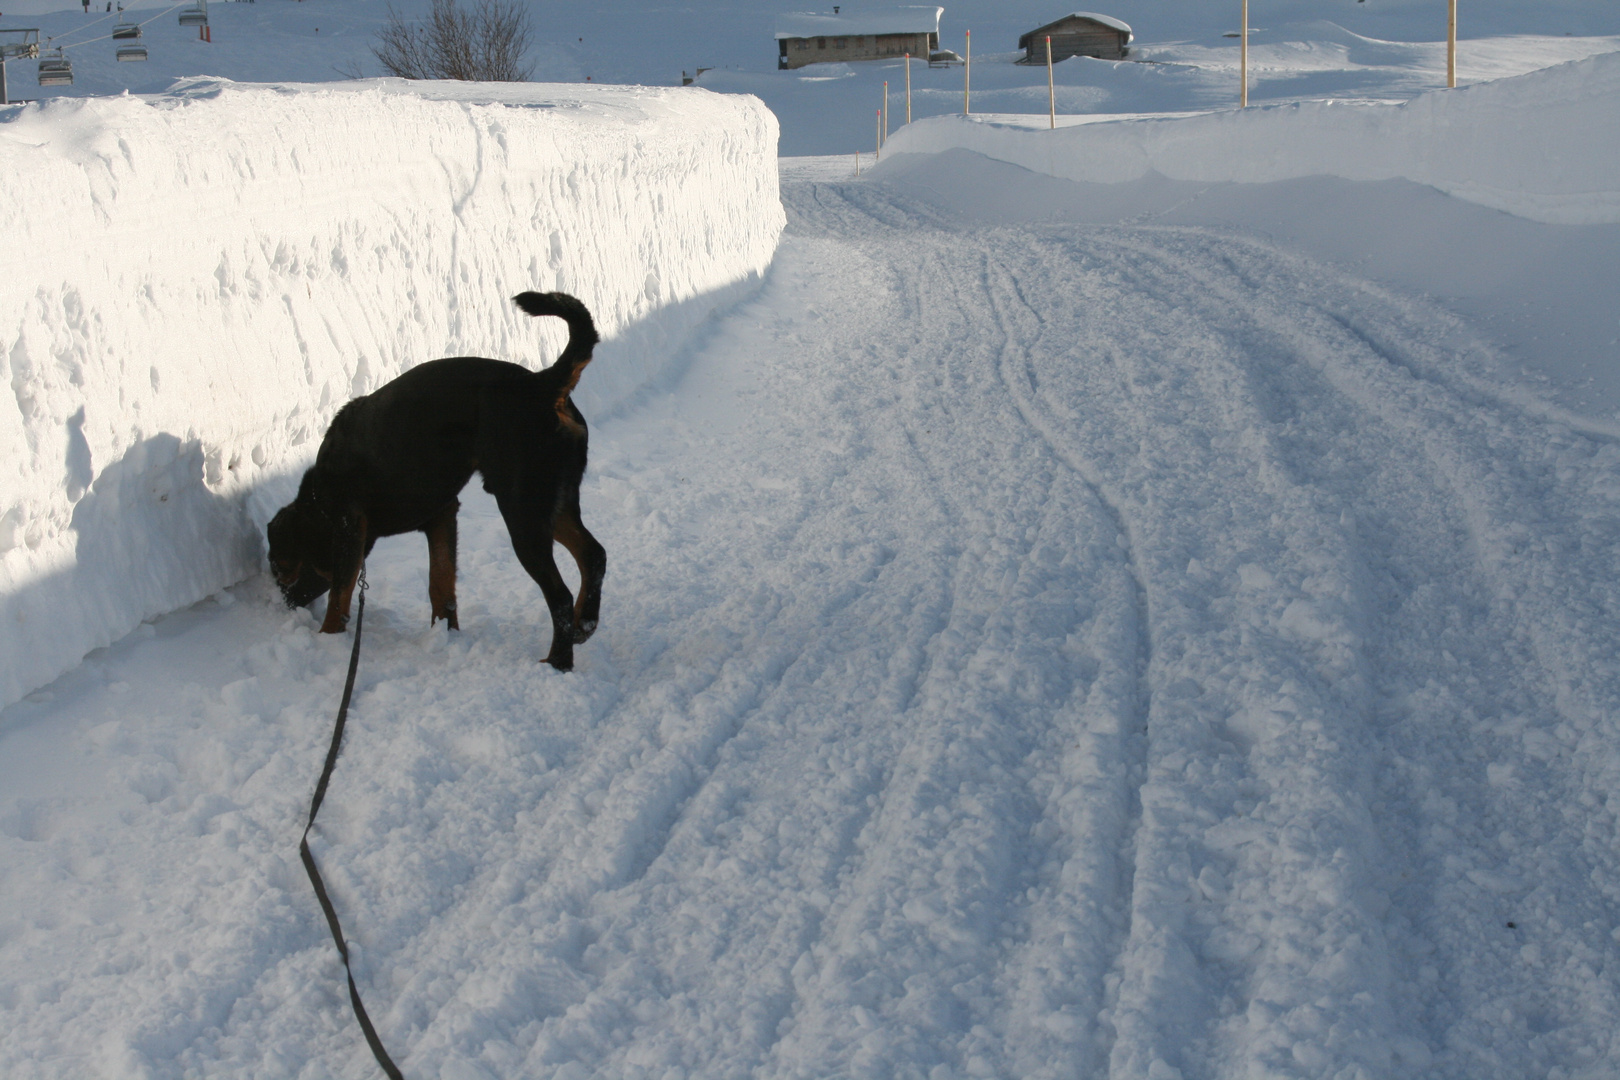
1523 145
914 19
1059 622
196 282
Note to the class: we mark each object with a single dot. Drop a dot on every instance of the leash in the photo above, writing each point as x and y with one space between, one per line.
372 1040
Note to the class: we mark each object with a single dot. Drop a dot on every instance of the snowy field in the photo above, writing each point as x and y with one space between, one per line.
1150 625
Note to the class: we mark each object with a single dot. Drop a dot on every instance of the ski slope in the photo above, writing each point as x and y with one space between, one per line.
1029 650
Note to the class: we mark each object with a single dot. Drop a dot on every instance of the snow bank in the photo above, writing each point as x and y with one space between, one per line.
1539 145
192 285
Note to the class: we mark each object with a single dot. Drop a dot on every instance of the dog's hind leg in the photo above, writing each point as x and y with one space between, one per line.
592 559
532 539
441 538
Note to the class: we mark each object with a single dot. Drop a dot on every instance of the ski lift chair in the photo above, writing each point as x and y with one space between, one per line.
126 31
127 53
195 16
55 69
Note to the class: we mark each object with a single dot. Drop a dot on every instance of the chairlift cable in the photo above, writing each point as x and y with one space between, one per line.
109 37
78 29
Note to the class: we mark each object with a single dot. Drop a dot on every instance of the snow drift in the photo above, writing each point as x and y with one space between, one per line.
192 285
1537 145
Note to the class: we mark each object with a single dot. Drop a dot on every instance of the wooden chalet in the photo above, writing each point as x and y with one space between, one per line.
1080 34
871 34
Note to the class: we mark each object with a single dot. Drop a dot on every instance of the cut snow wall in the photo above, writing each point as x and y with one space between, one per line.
192 284
1542 146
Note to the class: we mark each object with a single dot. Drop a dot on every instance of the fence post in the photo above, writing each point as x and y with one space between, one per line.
908 88
1451 44
1051 90
1243 59
967 74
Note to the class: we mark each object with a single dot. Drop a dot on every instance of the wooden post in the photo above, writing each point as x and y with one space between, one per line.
1243 58
967 74
885 110
908 88
1451 44
1051 89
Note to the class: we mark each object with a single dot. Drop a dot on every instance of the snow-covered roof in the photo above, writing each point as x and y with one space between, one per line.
893 20
1107 20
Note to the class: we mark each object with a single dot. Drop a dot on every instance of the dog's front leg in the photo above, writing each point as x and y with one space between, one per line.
348 555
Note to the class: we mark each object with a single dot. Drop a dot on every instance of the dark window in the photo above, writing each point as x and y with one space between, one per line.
821 43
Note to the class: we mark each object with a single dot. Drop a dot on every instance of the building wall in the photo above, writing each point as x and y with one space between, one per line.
1076 37
833 49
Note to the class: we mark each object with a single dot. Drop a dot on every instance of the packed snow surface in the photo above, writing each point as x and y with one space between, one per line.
193 284
1029 650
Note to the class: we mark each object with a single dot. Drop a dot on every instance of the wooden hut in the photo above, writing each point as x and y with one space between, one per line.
872 34
1080 34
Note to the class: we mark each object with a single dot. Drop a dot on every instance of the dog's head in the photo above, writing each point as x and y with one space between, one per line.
300 553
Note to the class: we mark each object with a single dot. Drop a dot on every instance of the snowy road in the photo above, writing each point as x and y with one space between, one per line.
1028 652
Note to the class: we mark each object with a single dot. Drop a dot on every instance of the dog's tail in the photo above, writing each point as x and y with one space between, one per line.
582 336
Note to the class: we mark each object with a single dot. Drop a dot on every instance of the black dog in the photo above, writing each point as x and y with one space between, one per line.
395 460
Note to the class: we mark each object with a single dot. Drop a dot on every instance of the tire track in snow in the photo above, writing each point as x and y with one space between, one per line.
952 381
1525 494
1022 329
1177 1017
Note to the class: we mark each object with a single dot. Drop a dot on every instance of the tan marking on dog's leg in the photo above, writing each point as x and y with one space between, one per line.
589 555
337 601
441 538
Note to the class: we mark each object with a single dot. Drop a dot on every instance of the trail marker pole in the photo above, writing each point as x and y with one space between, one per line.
908 88
857 164
877 155
1051 90
967 74
5 95
885 110
1451 44
1243 59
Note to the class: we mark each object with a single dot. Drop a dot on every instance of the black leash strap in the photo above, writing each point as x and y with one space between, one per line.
375 1043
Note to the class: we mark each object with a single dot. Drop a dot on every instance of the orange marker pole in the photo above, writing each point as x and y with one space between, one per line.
1243 59
1451 44
908 88
967 74
1051 89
